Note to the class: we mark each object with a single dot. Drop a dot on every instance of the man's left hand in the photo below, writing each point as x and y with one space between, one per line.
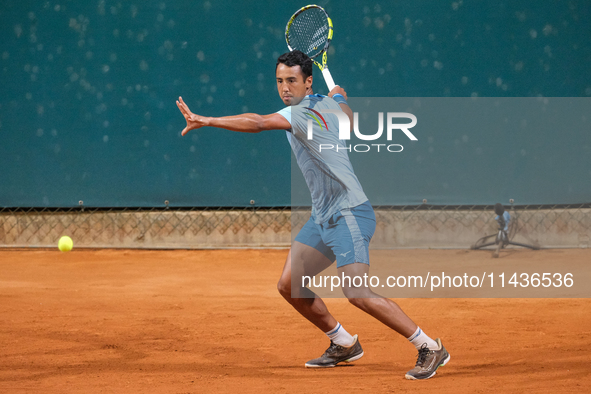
338 90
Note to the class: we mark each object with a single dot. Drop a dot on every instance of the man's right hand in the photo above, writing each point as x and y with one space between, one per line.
194 121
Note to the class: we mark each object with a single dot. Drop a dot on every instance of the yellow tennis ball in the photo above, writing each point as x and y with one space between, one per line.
65 244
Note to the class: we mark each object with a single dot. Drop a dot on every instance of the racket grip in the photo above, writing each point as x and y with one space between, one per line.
328 78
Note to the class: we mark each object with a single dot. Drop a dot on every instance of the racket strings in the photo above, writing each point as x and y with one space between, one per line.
309 32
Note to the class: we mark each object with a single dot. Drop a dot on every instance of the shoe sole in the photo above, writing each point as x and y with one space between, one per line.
410 377
349 360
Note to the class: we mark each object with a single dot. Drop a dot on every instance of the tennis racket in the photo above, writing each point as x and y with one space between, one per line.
310 30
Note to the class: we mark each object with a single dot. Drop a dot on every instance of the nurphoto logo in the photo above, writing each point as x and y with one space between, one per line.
345 130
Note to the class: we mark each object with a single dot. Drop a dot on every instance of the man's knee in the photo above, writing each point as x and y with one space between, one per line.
284 287
289 290
357 302
357 295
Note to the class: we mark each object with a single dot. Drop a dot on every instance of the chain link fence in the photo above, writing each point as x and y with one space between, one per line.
460 226
421 226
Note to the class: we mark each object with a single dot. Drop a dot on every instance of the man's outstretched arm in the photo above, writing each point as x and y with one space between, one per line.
245 123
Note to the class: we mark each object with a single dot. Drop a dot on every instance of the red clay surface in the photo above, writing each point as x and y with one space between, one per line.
124 321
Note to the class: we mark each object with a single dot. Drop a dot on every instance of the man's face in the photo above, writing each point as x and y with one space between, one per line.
291 85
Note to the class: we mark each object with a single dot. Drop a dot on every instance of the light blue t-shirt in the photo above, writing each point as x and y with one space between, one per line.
328 172
506 218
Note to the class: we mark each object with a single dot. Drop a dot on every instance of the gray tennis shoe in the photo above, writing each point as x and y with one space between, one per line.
428 361
336 354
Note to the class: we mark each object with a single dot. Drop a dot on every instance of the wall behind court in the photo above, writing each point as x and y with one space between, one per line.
88 112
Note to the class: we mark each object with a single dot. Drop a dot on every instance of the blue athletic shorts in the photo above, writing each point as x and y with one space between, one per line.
344 237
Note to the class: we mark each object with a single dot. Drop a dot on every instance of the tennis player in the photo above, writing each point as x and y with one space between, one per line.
342 221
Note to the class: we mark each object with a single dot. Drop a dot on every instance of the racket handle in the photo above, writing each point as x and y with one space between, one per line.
328 78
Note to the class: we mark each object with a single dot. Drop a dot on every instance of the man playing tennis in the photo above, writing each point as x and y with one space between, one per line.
342 221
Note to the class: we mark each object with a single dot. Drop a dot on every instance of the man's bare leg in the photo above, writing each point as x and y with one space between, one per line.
431 353
383 309
304 260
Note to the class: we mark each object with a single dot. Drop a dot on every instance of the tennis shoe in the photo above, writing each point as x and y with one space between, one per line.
428 361
336 354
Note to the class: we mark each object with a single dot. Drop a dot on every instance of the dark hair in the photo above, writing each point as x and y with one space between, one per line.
296 58
499 209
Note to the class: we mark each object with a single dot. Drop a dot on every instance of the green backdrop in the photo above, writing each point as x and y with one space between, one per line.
87 110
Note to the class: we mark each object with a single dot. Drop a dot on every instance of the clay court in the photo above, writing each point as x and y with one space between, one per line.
129 321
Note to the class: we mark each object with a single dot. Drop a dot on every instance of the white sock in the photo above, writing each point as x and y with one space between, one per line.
340 336
419 338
